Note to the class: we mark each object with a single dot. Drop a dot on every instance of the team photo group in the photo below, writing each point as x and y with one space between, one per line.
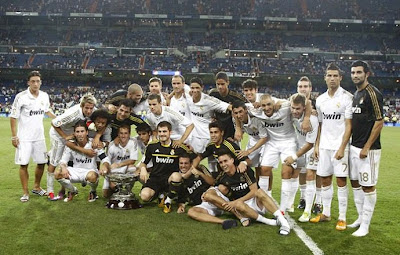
206 154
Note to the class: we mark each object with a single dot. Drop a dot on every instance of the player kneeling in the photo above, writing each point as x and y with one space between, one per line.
84 169
247 201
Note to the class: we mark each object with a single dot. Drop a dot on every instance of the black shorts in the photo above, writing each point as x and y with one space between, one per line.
158 184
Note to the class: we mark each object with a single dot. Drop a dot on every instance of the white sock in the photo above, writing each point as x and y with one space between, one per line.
66 183
368 209
278 214
342 200
161 196
303 188
167 200
310 193
295 187
318 197
263 182
266 221
50 182
285 194
327 194
358 194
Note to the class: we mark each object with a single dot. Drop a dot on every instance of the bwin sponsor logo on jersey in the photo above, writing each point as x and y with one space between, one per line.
38 112
164 160
196 184
198 114
332 116
273 125
122 158
83 161
356 109
242 186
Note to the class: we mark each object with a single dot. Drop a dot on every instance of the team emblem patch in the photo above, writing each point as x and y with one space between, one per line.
338 105
361 100
172 152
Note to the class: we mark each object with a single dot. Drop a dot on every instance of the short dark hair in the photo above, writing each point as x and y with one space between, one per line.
222 152
100 113
197 80
364 64
332 66
81 123
237 104
216 124
165 124
124 126
143 127
186 155
221 75
250 84
127 102
34 73
155 79
154 96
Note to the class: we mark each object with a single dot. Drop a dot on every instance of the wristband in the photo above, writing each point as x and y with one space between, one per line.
294 157
14 138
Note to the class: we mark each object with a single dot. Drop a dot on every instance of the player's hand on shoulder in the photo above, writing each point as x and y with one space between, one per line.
176 144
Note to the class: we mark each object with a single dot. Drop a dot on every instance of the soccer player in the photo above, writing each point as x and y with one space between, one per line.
246 200
181 126
178 100
134 93
62 129
365 149
332 145
195 181
217 143
84 168
155 88
250 91
304 86
164 176
303 156
202 107
124 116
223 93
27 111
120 158
254 127
281 144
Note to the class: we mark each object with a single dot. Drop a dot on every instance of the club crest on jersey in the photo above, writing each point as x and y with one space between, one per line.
338 105
361 100
172 152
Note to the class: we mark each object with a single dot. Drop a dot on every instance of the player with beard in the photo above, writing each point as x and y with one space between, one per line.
365 149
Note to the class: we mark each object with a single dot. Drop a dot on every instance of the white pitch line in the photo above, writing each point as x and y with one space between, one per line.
312 246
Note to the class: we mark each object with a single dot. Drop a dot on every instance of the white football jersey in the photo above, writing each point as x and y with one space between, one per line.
180 105
309 137
67 120
279 126
178 121
29 111
202 112
119 153
332 112
81 160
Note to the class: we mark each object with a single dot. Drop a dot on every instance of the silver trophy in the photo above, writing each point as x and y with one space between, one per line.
123 198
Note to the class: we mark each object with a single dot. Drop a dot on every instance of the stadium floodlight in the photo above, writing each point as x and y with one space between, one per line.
168 73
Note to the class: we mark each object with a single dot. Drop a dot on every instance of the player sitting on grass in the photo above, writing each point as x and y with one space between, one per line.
247 201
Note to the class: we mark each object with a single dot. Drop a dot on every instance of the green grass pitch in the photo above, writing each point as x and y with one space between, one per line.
79 227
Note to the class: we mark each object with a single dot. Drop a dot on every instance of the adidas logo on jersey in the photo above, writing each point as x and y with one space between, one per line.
157 150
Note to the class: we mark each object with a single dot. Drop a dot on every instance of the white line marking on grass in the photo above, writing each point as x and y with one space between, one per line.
312 246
